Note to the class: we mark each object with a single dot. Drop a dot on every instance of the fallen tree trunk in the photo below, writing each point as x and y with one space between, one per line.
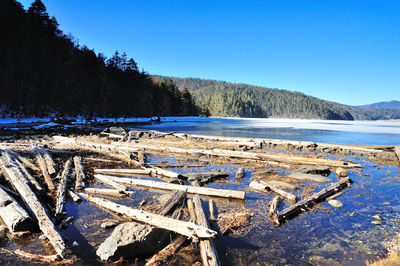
273 206
261 187
165 173
172 201
9 191
180 227
240 173
79 174
123 172
207 249
397 152
309 177
161 257
109 181
311 201
62 190
31 179
279 184
30 199
109 192
74 197
189 189
13 215
43 166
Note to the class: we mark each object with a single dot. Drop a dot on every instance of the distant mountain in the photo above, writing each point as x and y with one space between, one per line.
220 98
382 105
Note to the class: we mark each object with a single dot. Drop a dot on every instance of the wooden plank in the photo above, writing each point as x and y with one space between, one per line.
309 202
30 199
207 250
180 227
189 189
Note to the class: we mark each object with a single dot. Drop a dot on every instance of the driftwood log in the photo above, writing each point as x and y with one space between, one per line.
79 174
21 185
207 250
180 227
261 187
109 181
43 167
123 172
13 215
273 206
189 189
311 201
62 190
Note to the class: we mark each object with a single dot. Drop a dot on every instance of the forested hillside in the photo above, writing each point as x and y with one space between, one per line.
219 98
43 71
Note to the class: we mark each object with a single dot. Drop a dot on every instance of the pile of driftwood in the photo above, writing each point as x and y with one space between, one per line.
29 183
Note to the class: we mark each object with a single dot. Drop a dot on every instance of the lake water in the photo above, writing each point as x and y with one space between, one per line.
325 131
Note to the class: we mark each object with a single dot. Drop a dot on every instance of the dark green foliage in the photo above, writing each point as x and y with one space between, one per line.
218 98
42 70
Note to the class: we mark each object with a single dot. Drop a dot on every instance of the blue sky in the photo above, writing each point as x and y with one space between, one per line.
340 50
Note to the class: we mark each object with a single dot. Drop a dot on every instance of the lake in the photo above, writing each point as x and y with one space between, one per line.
326 131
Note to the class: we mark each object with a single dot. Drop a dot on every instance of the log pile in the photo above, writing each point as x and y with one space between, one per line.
79 176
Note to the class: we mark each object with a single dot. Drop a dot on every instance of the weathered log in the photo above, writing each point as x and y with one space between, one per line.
273 206
141 158
309 177
74 197
189 189
123 172
109 181
397 152
180 227
161 257
291 159
49 161
192 213
109 192
240 173
171 202
205 177
62 190
162 135
340 172
30 199
258 186
212 210
165 173
49 259
65 222
30 178
207 251
279 184
129 136
13 215
25 161
309 202
9 191
100 160
43 167
79 174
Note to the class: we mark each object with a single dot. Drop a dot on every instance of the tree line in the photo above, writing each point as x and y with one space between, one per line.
43 70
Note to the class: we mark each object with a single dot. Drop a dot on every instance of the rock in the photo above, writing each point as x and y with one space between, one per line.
376 222
335 203
204 178
340 172
280 184
132 240
313 170
108 225
309 177
117 131
377 218
75 244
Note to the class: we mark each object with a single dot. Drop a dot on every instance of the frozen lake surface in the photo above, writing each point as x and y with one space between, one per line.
326 131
